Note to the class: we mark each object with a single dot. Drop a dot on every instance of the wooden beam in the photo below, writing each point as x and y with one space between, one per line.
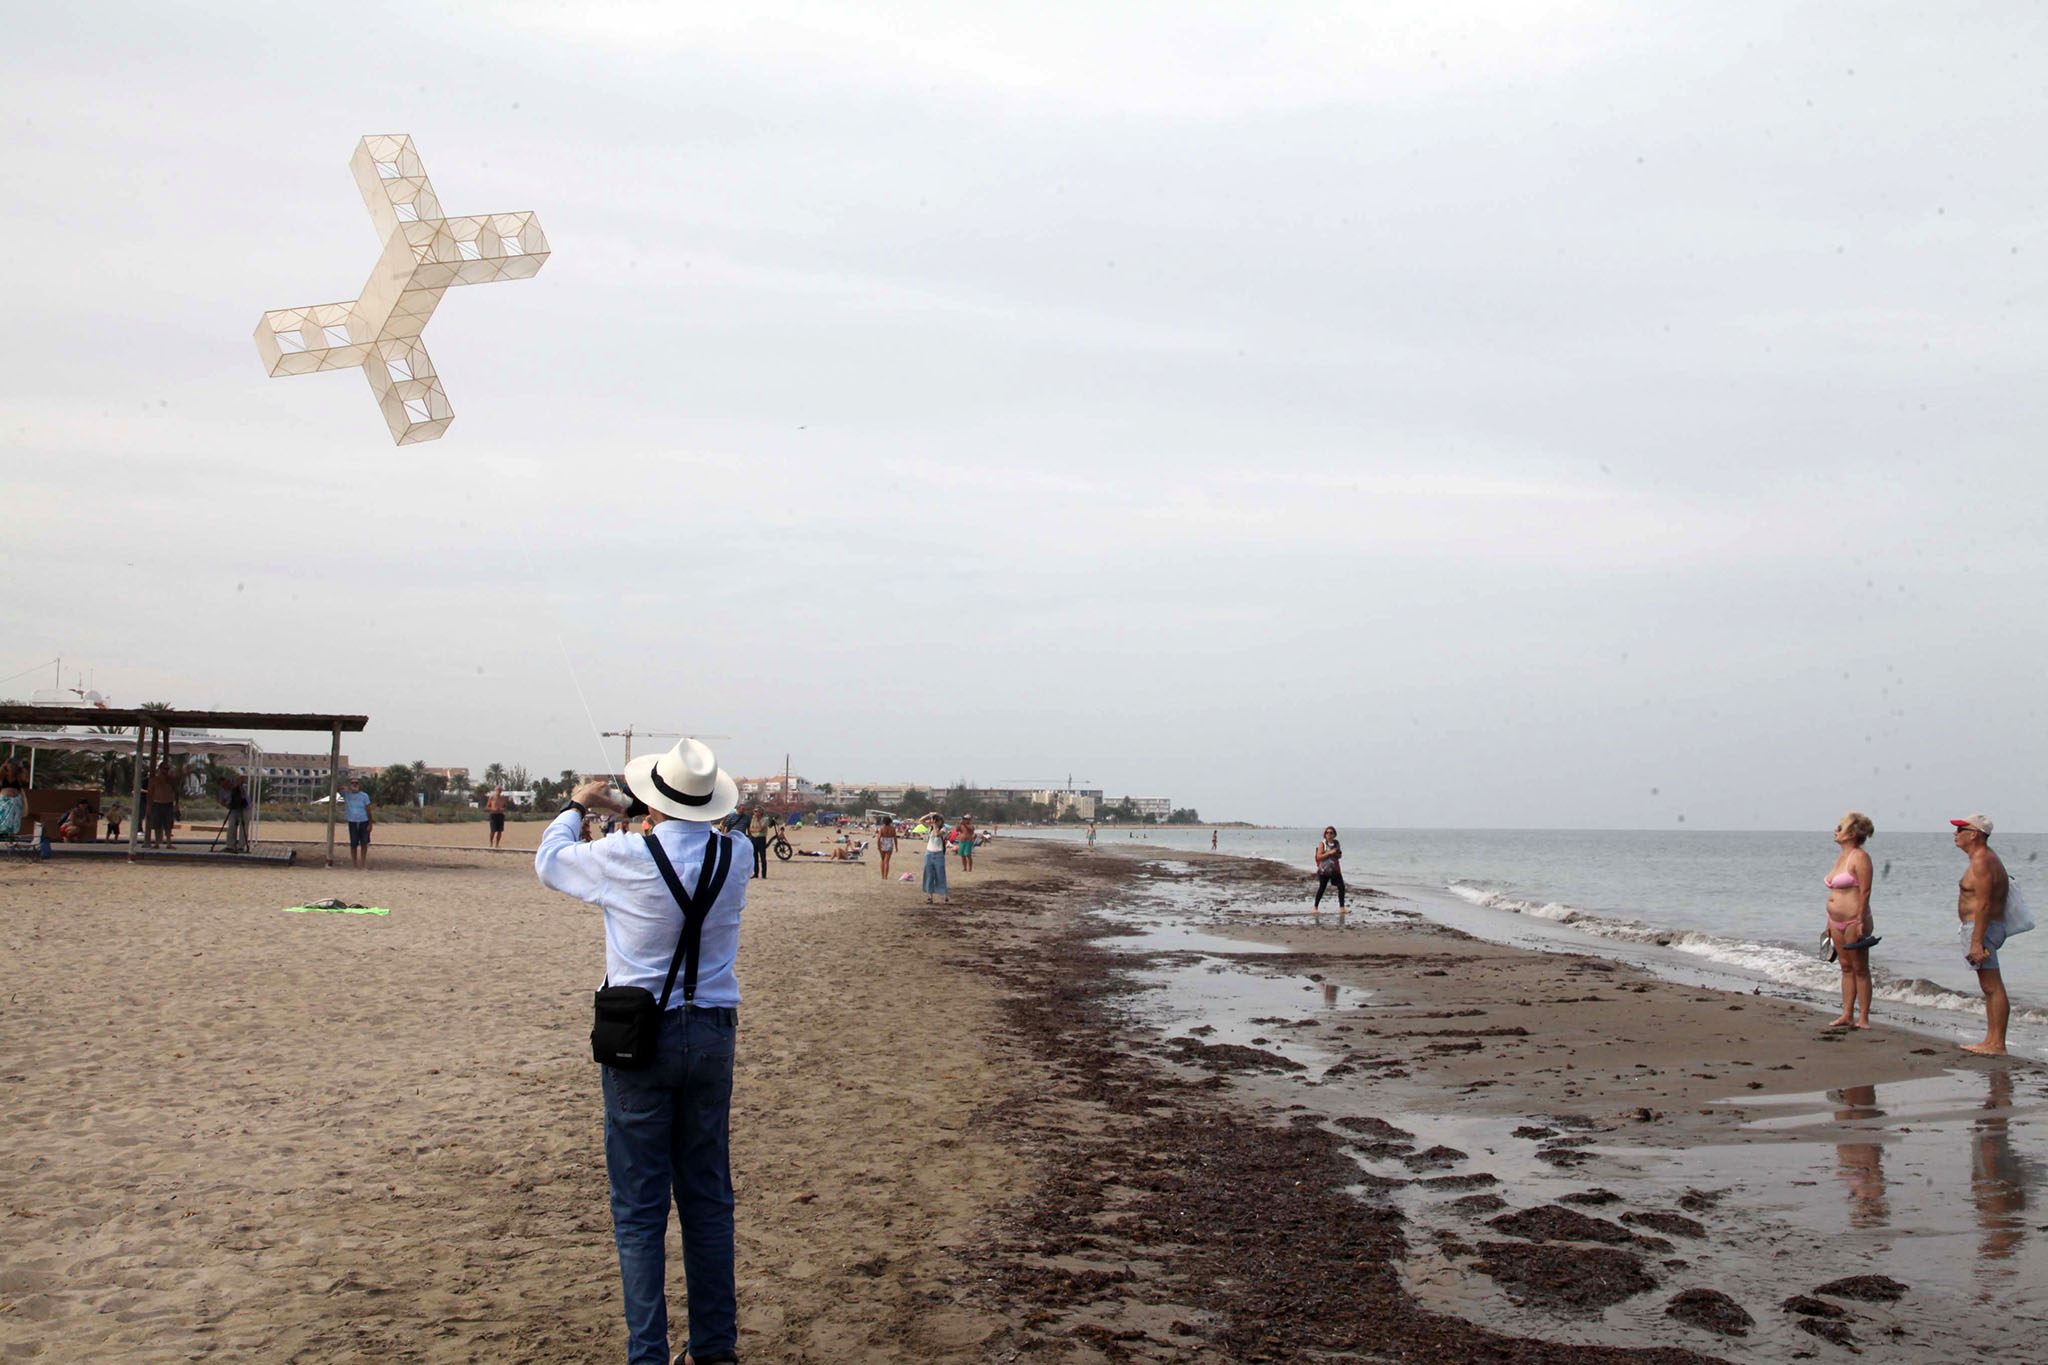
135 801
333 787
22 713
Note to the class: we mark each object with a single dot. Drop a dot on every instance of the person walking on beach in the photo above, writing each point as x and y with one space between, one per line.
494 806
885 843
963 839
1980 905
1850 927
355 808
1329 870
935 857
668 1125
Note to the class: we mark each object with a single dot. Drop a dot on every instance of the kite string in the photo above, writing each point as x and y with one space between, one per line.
604 755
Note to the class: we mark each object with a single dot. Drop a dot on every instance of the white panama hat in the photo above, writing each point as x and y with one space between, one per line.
685 783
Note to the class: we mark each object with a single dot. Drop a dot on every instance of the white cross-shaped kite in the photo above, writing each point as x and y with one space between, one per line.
424 254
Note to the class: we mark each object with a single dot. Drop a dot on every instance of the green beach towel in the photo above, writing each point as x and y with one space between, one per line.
336 907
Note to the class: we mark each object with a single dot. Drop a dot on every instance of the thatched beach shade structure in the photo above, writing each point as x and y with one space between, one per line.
153 728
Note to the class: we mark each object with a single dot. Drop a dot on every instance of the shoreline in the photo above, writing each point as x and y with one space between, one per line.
1696 956
1250 1189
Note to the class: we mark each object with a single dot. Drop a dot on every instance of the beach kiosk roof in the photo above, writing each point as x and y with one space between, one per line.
42 726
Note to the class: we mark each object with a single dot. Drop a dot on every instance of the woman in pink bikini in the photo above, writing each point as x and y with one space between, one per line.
1850 928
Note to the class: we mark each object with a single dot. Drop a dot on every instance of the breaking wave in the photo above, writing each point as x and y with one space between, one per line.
1776 962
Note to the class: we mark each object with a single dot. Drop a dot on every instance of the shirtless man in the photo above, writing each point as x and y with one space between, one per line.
494 806
1981 908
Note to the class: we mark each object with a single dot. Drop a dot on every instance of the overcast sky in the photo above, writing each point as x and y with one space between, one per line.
1493 415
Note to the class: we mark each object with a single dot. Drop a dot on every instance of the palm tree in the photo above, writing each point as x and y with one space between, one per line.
494 776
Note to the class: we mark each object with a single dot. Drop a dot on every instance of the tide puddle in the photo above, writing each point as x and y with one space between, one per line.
1213 989
1940 1184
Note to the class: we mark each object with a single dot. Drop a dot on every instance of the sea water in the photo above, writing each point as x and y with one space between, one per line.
1741 905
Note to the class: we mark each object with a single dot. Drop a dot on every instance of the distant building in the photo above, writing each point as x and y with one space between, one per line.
780 787
1154 808
295 778
1060 802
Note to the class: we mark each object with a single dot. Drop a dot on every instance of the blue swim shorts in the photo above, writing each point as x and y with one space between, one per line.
1994 938
359 834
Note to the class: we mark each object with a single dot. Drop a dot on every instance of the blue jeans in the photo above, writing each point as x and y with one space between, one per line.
666 1128
935 874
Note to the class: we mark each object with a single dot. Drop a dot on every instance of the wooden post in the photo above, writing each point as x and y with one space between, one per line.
135 801
333 789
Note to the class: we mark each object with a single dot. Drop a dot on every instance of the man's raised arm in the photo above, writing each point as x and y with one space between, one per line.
564 862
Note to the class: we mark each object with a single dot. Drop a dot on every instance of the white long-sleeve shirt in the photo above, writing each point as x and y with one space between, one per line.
642 921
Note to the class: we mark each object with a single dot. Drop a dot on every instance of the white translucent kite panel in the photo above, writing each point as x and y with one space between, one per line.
425 253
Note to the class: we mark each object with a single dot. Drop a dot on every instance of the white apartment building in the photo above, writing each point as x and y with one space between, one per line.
295 778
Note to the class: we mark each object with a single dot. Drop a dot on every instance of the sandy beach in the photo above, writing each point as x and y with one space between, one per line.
995 1130
241 1134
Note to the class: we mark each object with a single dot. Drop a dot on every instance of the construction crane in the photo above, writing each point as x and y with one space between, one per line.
628 733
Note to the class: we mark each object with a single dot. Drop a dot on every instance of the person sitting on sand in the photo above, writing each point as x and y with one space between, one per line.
78 823
1850 927
1980 905
885 843
1329 870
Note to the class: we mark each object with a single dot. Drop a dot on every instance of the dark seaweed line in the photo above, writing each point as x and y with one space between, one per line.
1179 1199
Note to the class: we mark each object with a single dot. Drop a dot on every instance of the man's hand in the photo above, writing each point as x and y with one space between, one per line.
1976 955
592 795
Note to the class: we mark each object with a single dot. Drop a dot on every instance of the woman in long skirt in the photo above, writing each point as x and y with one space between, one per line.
935 858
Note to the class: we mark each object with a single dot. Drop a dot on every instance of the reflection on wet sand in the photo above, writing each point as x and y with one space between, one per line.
1860 1165
1998 1176
1998 1183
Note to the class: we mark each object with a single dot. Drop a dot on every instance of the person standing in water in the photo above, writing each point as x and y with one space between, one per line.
1980 905
1212 841
1329 869
1850 927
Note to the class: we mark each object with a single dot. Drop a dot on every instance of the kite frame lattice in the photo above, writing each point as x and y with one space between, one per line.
425 254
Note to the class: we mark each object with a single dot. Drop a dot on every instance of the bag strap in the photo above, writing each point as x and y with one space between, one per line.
696 909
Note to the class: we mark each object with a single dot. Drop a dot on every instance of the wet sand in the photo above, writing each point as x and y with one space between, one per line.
958 1133
1552 1147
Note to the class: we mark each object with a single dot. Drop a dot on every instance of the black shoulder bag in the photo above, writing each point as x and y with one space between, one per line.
628 1021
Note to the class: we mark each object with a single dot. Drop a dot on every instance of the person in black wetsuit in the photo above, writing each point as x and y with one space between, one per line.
1329 869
